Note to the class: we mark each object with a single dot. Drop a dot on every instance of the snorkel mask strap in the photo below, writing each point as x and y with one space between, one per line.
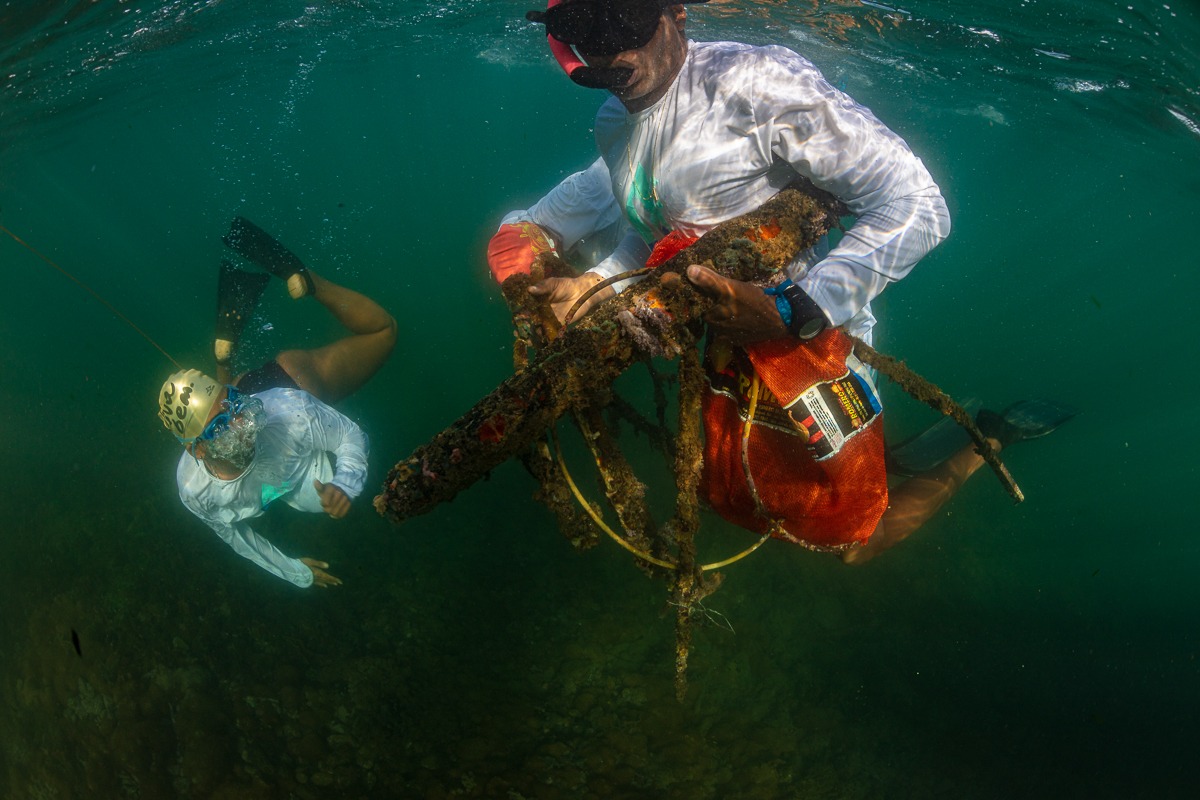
563 54
578 71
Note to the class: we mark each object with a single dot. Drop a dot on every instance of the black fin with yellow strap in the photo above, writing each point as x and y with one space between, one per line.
256 245
238 292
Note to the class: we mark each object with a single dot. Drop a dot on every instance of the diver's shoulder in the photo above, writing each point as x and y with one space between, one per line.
282 399
191 478
723 57
610 110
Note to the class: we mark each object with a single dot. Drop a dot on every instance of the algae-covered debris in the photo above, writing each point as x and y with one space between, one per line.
582 362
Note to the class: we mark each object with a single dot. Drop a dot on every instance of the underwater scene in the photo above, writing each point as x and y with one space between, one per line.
1041 649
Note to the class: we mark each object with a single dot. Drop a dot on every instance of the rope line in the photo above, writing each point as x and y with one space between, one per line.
94 294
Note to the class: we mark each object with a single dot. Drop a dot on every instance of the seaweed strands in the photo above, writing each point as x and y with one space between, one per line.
689 584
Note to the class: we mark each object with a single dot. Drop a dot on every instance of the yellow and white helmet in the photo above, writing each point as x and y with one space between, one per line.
185 402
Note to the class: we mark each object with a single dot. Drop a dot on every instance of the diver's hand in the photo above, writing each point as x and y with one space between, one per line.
743 312
321 578
333 500
564 292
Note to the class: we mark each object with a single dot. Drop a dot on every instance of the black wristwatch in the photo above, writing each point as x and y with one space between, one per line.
808 320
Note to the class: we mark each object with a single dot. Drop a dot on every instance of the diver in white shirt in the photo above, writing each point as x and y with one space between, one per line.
270 433
696 134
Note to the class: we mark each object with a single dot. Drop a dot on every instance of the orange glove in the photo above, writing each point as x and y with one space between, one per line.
514 247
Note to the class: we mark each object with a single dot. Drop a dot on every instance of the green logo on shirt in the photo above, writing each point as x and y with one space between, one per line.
642 207
272 493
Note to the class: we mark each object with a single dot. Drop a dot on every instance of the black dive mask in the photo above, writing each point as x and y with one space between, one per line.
602 27
599 28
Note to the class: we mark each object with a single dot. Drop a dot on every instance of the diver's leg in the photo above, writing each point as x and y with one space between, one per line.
337 370
919 497
912 503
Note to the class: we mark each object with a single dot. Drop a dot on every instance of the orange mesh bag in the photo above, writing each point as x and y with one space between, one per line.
815 449
812 466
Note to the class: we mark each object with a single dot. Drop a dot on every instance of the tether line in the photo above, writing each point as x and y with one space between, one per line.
94 294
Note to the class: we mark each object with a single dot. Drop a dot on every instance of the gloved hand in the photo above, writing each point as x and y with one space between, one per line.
562 293
514 247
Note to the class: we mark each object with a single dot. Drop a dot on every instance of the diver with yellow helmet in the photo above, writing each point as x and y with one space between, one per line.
271 433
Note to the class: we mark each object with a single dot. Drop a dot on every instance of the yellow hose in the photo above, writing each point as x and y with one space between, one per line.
591 512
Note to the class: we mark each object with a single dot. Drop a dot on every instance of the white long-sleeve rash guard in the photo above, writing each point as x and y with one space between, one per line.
292 449
735 126
584 219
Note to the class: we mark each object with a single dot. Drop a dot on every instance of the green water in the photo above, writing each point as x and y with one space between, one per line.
1044 650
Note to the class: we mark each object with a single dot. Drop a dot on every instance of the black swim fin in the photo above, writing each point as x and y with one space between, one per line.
256 245
238 292
1026 419
931 446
